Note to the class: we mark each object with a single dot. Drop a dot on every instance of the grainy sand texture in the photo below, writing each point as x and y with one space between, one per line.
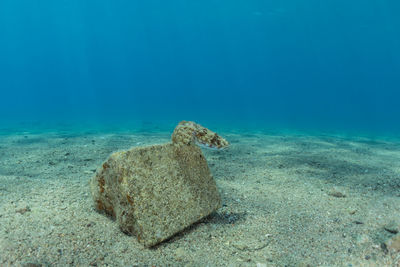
289 199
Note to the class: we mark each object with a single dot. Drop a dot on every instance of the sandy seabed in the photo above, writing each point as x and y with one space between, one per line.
290 199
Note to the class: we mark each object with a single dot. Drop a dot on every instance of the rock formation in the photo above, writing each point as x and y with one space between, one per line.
156 191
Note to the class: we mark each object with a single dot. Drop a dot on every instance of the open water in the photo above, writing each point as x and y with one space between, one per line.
329 65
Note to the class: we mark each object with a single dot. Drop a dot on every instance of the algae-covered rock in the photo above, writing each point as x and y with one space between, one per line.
157 191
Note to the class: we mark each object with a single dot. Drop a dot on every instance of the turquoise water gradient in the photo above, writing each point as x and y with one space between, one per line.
321 64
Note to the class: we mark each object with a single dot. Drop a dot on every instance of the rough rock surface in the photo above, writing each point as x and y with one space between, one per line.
156 191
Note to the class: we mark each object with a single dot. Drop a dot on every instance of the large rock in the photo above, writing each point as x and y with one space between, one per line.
157 191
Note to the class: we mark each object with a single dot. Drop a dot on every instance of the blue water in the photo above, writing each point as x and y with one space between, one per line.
331 64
